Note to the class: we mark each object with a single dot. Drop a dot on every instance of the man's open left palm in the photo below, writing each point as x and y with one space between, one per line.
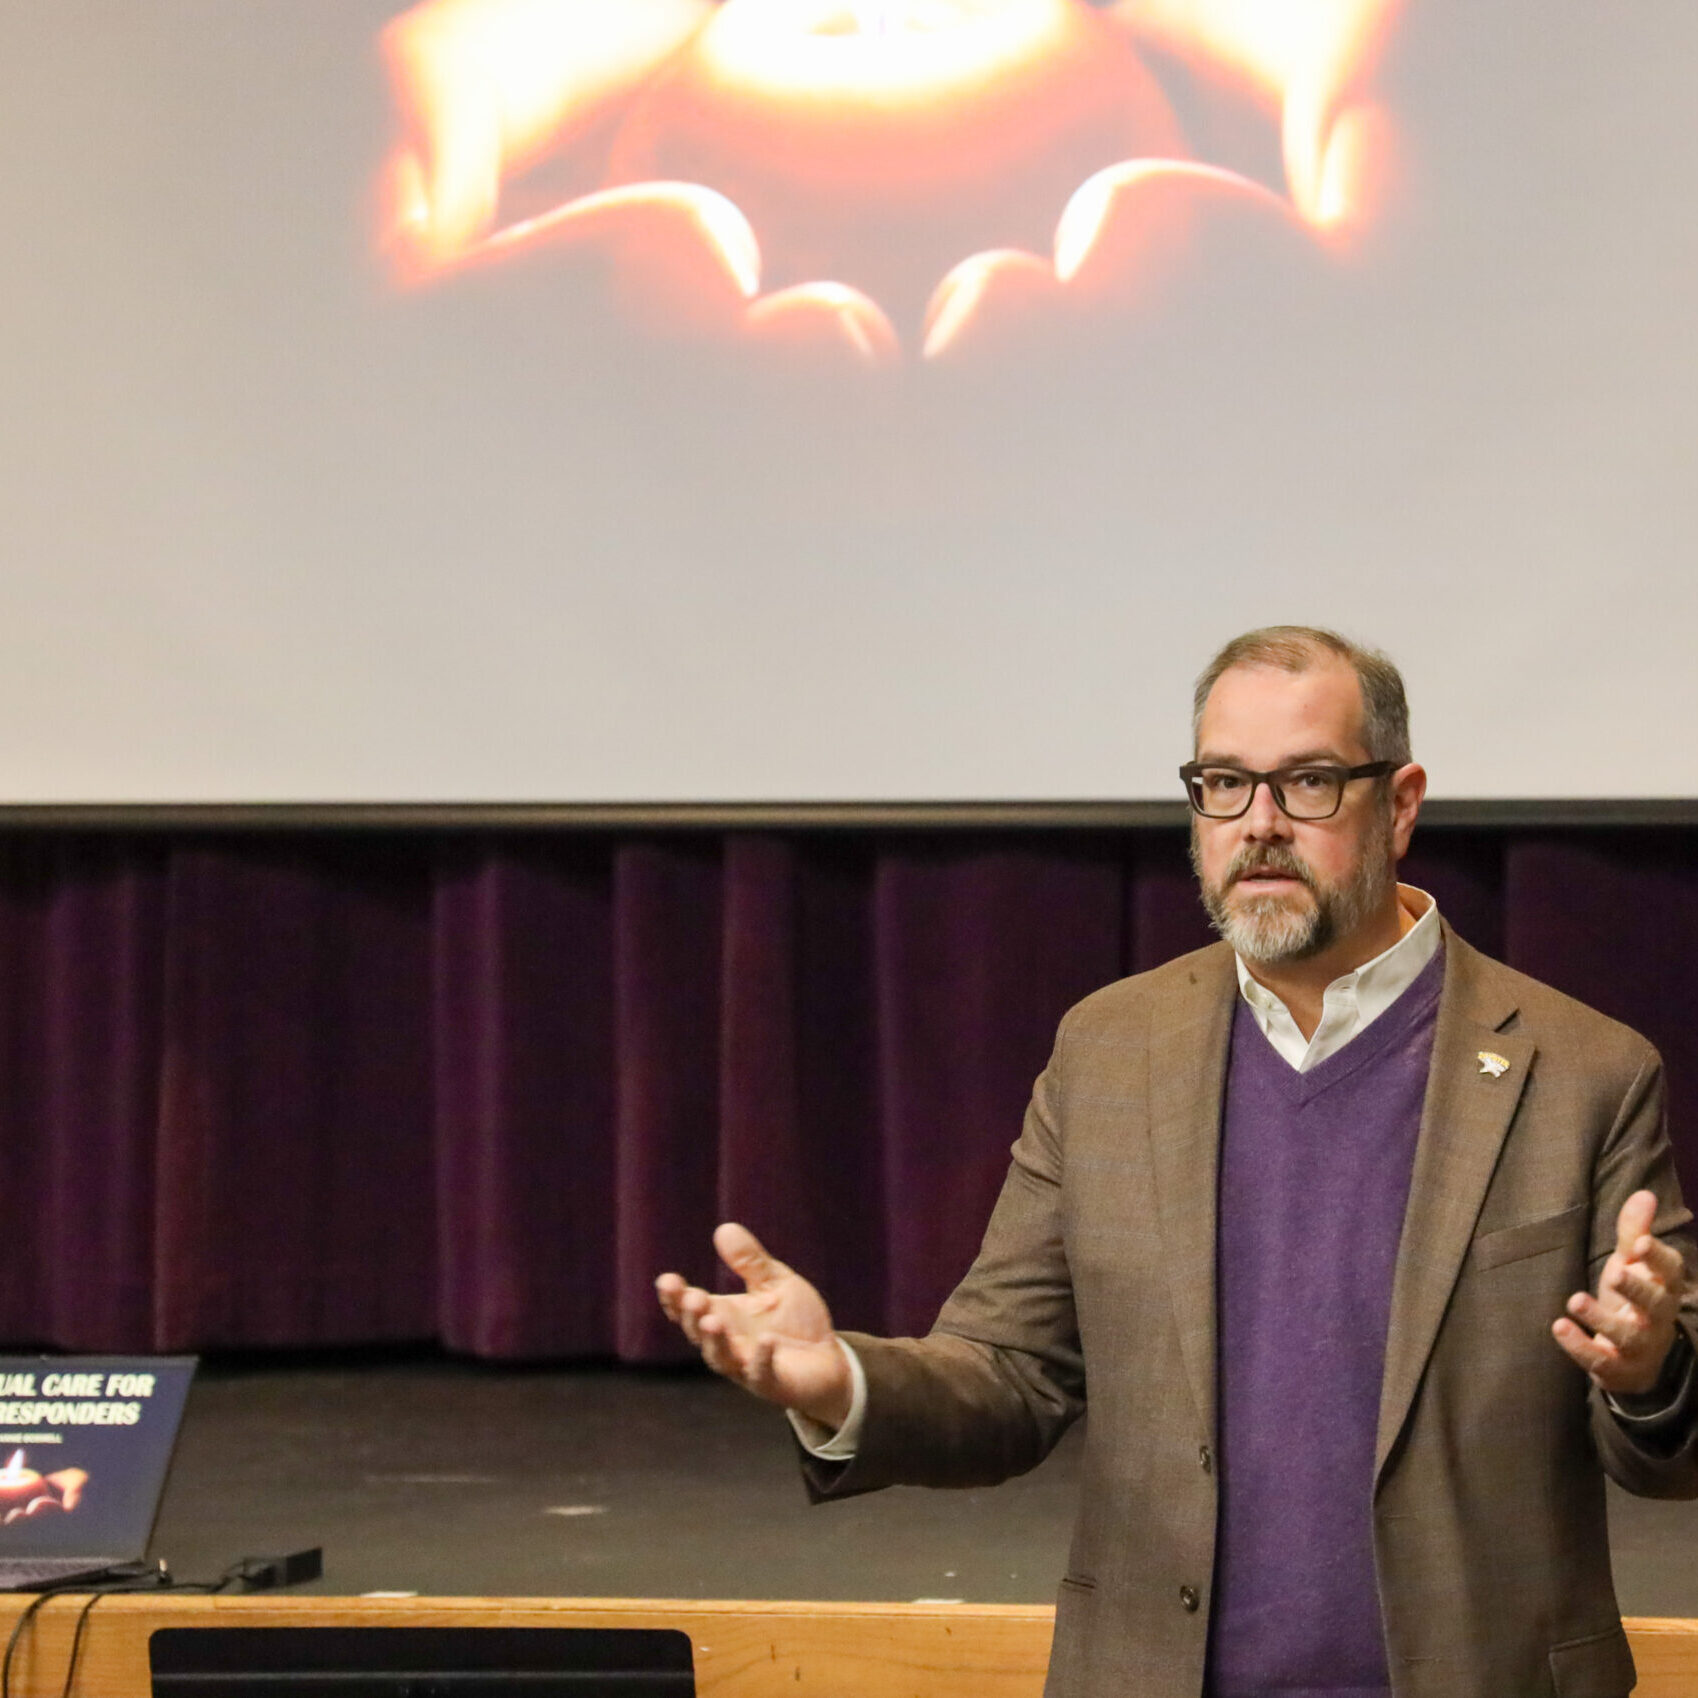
1622 1336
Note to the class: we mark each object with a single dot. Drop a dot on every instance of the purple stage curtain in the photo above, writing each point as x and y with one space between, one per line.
266 1091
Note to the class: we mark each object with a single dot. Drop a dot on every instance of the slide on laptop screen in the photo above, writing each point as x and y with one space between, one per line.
85 1444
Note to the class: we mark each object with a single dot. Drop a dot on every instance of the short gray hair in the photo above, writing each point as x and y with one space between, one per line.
1295 648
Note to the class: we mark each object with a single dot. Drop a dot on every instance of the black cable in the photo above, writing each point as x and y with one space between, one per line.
18 1627
77 1641
146 1579
159 1580
44 1596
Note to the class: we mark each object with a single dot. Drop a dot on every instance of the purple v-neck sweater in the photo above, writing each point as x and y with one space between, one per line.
1314 1178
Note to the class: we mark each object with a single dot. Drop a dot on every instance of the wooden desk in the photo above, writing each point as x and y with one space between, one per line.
742 1650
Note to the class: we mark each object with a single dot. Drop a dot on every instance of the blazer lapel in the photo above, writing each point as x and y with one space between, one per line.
1189 1032
1469 1104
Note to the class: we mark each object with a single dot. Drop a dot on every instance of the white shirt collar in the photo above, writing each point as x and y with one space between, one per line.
1352 1003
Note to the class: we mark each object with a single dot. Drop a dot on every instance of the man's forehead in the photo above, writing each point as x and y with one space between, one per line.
1303 713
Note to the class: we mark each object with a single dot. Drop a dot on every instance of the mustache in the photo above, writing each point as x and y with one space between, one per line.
1268 858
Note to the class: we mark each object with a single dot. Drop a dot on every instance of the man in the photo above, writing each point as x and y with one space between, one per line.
1318 1214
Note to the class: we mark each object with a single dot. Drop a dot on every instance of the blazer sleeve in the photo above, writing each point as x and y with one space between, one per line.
1659 1461
988 1392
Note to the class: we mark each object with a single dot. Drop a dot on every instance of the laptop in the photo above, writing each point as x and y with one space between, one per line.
85 1445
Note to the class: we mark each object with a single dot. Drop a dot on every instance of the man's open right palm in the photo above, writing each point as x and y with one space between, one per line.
774 1338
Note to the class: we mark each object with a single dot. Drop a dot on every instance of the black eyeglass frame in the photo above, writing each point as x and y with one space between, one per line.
1193 770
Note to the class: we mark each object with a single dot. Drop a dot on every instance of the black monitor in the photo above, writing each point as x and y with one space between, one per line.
421 1662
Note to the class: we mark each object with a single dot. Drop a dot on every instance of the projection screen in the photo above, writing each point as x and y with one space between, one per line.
490 401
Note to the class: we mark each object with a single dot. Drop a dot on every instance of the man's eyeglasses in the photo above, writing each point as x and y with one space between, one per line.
1302 792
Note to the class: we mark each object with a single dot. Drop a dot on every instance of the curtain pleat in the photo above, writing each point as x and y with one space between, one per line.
84 925
1612 920
342 1089
294 1161
667 948
979 950
522 1022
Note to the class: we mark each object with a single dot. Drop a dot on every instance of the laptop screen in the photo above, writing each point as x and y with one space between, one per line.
85 1443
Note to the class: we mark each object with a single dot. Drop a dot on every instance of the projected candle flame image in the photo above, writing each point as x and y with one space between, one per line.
25 1494
875 176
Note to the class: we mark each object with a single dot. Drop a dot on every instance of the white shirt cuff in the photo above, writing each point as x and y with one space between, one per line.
816 1438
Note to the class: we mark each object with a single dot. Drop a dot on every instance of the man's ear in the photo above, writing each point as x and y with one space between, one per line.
1408 788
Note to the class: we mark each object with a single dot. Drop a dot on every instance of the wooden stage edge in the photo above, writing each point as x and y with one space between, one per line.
742 1650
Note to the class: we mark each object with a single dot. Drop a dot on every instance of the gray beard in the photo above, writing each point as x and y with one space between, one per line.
1273 930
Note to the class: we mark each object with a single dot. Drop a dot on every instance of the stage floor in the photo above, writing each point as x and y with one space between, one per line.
442 1477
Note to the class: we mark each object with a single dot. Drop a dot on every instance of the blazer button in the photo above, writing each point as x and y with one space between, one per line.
1188 1597
1205 1458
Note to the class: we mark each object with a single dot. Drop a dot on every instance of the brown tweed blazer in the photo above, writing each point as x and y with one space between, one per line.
1098 1272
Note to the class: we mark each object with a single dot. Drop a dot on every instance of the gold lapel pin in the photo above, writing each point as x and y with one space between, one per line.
1493 1063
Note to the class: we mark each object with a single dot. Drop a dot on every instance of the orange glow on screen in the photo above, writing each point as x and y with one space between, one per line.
26 1495
866 175
1303 58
